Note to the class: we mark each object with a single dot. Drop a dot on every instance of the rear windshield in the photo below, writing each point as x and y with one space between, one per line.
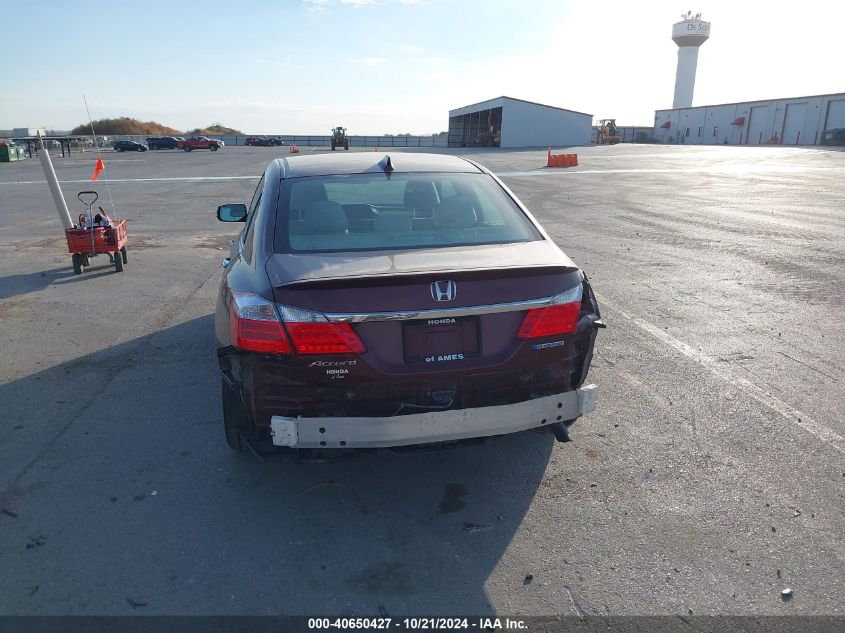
366 212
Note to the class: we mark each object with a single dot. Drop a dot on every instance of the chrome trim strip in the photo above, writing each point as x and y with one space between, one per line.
408 315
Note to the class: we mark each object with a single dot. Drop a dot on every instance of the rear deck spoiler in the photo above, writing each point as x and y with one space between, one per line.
388 279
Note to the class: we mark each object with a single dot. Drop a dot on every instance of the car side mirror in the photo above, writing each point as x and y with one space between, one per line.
231 213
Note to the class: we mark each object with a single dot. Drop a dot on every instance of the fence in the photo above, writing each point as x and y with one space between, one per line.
354 141
309 140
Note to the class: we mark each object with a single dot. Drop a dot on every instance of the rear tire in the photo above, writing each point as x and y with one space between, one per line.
118 262
123 255
76 258
333 145
187 148
234 419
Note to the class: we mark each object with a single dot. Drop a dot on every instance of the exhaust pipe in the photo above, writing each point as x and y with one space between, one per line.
561 431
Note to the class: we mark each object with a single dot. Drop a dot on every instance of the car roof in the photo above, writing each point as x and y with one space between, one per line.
372 162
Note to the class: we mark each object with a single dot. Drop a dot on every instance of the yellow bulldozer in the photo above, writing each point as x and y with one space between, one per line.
607 133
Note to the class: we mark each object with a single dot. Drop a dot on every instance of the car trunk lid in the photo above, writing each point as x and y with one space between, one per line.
430 310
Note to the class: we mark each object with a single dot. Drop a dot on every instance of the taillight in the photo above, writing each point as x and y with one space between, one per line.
255 326
560 317
312 333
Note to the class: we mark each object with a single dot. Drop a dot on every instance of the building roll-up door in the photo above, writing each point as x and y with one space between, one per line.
835 115
793 124
759 119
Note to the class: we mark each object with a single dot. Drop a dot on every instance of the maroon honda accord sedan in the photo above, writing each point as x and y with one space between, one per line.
385 301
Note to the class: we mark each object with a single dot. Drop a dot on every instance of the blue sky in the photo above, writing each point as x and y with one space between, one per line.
391 66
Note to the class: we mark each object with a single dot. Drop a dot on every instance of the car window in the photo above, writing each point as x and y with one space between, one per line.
249 229
250 210
365 212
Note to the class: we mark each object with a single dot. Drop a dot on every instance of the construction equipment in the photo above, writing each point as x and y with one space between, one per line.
339 138
607 133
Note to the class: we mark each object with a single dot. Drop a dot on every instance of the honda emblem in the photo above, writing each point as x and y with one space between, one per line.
443 290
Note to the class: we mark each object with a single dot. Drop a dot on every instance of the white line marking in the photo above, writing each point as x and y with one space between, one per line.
176 179
723 169
760 395
727 169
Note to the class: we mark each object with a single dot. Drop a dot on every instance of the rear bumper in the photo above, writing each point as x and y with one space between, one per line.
438 426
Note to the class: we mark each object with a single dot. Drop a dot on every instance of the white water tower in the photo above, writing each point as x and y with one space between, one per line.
690 33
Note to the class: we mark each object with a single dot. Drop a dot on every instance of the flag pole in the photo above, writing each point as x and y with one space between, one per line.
99 157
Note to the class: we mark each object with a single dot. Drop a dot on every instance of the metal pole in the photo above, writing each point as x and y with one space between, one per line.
53 182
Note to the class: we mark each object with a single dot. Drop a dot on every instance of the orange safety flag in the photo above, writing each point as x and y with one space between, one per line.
98 169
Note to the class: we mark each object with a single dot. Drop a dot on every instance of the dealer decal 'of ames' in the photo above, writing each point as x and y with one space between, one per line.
439 358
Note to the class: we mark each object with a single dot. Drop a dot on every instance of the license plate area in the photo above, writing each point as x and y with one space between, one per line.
441 340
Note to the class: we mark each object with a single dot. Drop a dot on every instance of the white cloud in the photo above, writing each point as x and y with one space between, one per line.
369 61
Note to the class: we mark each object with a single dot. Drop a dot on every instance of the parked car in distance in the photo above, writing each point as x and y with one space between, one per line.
129 146
378 301
263 141
162 142
199 142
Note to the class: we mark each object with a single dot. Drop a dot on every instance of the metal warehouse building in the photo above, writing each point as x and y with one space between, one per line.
508 122
793 121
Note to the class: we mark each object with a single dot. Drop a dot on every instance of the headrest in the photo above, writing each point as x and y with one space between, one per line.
304 193
456 212
324 217
420 194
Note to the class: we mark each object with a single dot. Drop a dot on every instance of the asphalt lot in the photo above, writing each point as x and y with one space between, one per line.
710 477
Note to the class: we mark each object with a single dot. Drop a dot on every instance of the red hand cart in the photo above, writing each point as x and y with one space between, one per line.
86 242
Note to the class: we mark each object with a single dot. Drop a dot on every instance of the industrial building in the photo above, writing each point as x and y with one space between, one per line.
791 121
508 122
816 120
